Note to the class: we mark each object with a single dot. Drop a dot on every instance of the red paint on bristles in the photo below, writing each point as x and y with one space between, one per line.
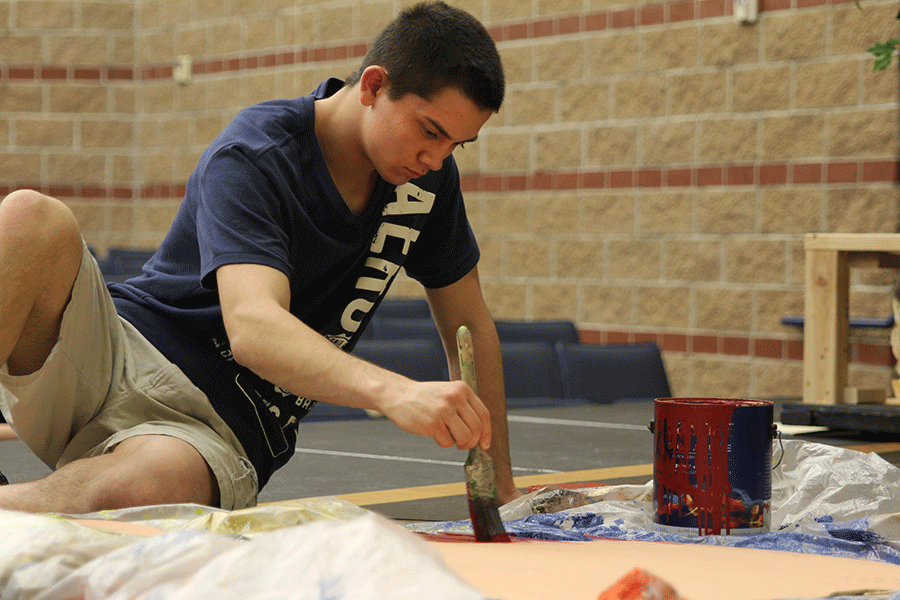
486 520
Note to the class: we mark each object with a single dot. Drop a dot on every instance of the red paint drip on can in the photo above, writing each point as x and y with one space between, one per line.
712 465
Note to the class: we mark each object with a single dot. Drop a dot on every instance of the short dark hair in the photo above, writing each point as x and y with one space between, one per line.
431 46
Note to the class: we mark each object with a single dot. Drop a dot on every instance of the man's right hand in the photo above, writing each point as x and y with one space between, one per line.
448 411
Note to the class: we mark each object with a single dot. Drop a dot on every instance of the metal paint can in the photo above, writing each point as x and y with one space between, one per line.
712 466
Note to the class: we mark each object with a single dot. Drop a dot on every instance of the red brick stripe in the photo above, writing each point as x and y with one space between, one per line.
64 191
831 173
65 73
653 14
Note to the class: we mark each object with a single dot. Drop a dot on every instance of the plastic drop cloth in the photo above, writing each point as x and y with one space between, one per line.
363 557
825 500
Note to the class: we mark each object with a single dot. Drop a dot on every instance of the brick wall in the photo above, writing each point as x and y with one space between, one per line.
67 106
650 176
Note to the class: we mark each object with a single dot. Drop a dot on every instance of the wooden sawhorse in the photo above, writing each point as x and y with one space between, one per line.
826 348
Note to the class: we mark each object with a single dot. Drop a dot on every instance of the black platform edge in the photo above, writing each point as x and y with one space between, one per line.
854 322
874 418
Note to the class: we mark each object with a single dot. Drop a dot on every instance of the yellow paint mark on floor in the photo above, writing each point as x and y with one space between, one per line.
459 489
878 448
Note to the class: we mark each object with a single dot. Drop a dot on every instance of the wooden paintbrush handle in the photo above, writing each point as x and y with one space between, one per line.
467 371
477 455
466 357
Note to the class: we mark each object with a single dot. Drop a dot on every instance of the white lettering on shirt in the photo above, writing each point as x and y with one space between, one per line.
411 200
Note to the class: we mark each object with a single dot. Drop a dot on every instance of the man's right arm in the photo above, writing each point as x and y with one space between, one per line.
278 347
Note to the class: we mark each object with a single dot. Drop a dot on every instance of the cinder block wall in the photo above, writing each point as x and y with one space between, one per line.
650 176
68 105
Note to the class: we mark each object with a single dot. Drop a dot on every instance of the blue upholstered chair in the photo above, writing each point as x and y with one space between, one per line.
607 373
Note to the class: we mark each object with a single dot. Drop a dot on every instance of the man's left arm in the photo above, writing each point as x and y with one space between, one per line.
462 303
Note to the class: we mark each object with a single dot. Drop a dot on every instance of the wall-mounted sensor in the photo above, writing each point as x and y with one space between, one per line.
745 11
181 70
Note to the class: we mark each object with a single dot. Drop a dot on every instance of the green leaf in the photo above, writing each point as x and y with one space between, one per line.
881 63
883 53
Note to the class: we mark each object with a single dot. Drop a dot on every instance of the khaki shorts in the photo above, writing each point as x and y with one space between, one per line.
104 382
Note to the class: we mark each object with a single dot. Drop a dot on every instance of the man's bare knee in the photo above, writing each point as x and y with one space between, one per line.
31 218
25 210
155 469
39 236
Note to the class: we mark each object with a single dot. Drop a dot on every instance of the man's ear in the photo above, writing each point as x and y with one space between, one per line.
372 82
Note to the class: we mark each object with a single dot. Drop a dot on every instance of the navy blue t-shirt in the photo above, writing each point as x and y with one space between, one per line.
262 194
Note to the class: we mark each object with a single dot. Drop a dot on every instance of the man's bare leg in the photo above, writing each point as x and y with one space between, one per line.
141 471
40 254
39 247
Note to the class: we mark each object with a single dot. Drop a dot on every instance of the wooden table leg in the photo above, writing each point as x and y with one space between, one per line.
827 313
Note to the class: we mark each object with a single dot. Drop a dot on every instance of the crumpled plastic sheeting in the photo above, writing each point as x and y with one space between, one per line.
156 565
825 500
366 557
621 496
251 522
815 481
248 522
39 550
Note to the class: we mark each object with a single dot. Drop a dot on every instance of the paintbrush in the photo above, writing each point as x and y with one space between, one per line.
481 481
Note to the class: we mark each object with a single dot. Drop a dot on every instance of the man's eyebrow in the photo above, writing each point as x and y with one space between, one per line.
441 131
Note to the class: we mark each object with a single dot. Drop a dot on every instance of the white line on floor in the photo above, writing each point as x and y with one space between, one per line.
574 423
428 461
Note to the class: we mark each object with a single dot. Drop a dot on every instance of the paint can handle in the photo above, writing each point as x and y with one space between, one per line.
777 433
